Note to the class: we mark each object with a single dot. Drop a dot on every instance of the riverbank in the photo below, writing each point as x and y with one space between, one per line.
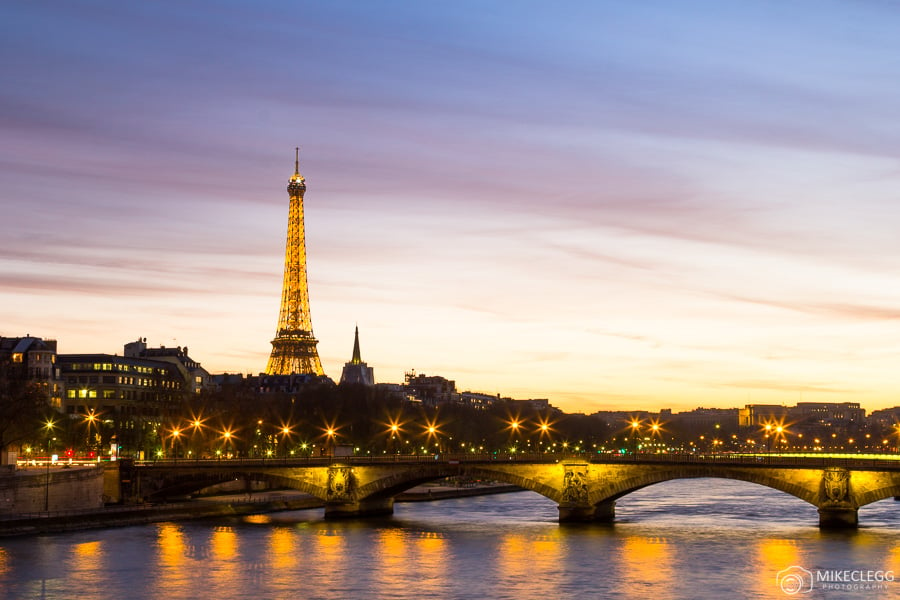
219 506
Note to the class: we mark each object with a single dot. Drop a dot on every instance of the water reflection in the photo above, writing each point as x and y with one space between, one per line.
431 558
173 574
282 548
521 556
88 564
646 567
392 550
475 548
772 557
329 557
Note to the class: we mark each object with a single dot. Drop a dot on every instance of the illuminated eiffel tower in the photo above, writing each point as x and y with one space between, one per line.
294 346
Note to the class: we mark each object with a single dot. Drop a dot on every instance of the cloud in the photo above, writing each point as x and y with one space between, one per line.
783 386
842 311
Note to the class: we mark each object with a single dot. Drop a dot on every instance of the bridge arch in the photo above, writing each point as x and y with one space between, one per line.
398 482
184 483
631 482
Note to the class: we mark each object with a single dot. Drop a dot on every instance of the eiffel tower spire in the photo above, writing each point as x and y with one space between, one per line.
294 346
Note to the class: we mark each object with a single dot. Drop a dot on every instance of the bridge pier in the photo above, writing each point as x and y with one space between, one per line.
362 508
603 512
834 517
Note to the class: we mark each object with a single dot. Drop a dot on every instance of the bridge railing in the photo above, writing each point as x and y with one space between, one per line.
889 462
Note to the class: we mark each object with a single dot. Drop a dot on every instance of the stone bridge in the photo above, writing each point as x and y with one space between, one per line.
585 487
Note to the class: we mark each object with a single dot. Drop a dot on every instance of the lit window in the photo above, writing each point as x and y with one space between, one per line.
17 357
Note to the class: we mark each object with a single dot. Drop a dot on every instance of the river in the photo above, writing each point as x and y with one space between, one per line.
693 539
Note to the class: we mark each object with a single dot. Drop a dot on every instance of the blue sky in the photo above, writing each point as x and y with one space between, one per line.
611 205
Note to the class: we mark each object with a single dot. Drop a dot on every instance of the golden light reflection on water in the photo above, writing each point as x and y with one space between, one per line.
329 545
173 572
258 519
431 555
892 561
330 552
88 564
171 544
4 562
647 564
773 556
281 557
282 548
223 544
519 555
393 554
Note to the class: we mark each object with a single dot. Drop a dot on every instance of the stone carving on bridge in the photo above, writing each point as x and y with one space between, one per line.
836 485
341 484
575 489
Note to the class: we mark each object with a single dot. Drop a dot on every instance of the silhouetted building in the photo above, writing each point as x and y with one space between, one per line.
477 400
430 390
886 418
195 376
703 419
33 359
758 415
121 387
286 384
356 371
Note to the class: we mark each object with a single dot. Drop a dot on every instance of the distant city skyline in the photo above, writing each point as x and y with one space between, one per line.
612 206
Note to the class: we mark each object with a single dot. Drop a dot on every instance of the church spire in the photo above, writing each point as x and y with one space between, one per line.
356 372
357 359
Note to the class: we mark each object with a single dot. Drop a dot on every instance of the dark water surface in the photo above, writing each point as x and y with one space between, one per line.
697 539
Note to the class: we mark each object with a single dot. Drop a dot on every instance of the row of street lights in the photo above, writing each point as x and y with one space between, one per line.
399 433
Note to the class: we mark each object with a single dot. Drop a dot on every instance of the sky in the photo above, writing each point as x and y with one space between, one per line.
612 205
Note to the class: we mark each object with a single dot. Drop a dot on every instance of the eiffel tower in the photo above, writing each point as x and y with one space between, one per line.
294 346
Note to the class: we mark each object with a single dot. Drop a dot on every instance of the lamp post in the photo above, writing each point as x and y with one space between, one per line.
49 427
330 434
226 436
635 431
285 436
393 434
544 431
197 425
175 434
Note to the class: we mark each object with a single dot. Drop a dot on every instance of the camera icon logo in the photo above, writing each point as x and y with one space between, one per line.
794 580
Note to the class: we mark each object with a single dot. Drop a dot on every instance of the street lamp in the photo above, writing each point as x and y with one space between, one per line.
330 433
49 425
635 431
91 420
393 436
432 431
544 431
175 434
285 436
226 437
